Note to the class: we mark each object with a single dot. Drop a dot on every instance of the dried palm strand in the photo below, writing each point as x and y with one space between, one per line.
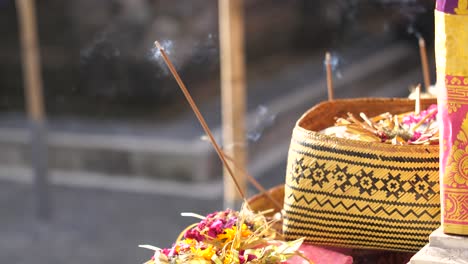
410 128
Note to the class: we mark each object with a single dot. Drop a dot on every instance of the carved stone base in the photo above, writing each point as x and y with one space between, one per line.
443 249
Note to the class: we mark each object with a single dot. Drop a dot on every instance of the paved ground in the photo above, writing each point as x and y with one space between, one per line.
90 225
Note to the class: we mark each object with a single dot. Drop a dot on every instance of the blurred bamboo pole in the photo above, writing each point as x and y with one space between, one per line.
35 103
233 95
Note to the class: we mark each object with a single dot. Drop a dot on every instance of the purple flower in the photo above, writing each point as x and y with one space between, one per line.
413 118
416 136
166 251
215 228
243 259
230 222
194 234
251 257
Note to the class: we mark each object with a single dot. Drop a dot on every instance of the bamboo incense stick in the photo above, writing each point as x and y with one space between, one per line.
329 76
424 64
199 116
417 101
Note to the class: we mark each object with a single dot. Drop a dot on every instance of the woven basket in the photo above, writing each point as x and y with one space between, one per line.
356 194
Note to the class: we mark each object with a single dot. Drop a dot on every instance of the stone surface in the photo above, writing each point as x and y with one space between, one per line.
443 249
439 239
437 255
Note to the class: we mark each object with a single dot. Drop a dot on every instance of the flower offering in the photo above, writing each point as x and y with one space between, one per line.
227 237
402 129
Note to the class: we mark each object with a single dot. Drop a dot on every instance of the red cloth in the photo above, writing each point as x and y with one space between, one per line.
320 255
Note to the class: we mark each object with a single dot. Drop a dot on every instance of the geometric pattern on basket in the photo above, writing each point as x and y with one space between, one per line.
392 184
347 196
379 210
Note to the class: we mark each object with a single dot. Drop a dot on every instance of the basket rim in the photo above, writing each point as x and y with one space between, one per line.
358 143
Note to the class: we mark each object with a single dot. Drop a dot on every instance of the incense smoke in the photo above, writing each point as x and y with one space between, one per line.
157 57
262 120
99 46
413 31
409 9
258 122
203 52
336 63
206 51
404 12
167 46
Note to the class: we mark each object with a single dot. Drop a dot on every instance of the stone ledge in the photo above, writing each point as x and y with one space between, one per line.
439 239
436 255
443 249
207 190
115 154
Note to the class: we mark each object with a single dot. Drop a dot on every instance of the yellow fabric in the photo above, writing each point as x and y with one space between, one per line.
451 42
455 181
452 38
462 8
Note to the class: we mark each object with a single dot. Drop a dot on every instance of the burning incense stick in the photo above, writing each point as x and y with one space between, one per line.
329 76
424 63
417 101
199 116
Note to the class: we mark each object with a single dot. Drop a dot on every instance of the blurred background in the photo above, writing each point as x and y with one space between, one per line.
125 153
